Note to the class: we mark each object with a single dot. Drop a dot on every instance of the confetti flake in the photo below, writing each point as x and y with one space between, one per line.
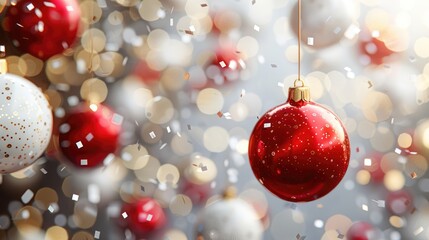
227 115
220 114
30 6
27 196
124 215
380 203
365 207
232 65
75 197
352 31
97 234
267 125
171 22
222 64
192 28
109 158
273 65
29 172
51 209
256 28
280 84
84 162
413 175
162 146
89 137
367 162
418 231
149 217
117 119
43 171
79 145
310 41
242 63
152 135
168 129
398 151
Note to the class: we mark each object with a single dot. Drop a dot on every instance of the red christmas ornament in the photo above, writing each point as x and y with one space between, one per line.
143 216
299 150
361 231
43 28
400 202
375 49
224 67
88 134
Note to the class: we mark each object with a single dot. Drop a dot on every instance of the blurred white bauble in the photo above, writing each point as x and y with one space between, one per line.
323 22
25 123
229 219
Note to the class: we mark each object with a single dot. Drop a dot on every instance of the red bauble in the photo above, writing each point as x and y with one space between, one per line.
299 150
361 231
43 28
224 67
399 202
88 134
375 49
144 216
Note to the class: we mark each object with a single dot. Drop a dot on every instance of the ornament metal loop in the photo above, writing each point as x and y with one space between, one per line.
299 80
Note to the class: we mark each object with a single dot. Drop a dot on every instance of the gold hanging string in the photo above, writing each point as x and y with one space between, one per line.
299 48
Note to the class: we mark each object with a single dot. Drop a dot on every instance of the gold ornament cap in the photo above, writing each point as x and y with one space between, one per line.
299 93
230 193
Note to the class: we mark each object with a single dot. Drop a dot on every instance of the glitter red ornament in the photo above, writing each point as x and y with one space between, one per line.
299 150
361 231
89 134
143 216
43 28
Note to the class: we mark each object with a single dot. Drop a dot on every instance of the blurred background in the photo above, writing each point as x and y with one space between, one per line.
186 80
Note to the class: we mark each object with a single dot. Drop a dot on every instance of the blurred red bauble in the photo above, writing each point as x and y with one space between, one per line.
89 134
375 50
224 67
361 231
399 202
299 150
198 193
146 73
43 28
143 216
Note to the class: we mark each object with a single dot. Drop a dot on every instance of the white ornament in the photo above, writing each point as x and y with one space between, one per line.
323 22
229 219
25 123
